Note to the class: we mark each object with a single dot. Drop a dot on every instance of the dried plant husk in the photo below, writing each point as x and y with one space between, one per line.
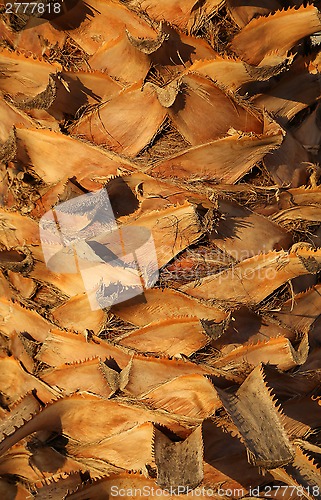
215 158
200 122
288 27
252 280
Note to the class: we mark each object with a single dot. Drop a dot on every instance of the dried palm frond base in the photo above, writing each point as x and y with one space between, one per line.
201 122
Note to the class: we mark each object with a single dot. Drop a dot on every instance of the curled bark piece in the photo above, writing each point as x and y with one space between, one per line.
15 318
37 38
246 329
111 49
179 464
33 144
145 309
203 112
277 32
228 72
278 351
225 160
121 60
171 337
311 213
165 225
68 315
73 416
17 230
67 347
147 45
16 381
86 24
85 376
117 381
259 421
275 64
299 314
177 13
24 77
297 89
111 450
253 279
149 373
298 196
118 123
242 239
180 396
43 100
